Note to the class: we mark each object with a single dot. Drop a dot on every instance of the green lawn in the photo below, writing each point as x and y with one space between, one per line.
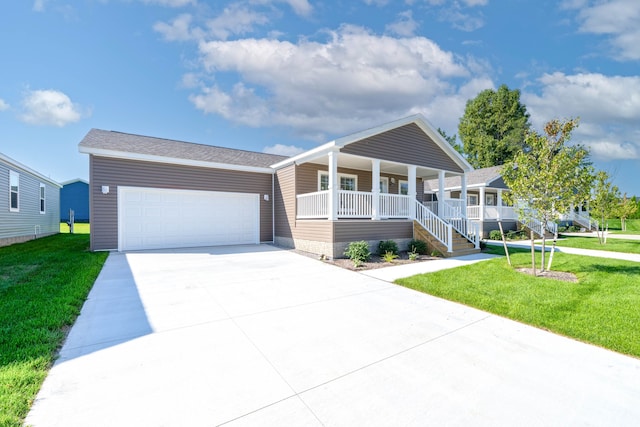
78 228
602 308
613 245
43 284
633 226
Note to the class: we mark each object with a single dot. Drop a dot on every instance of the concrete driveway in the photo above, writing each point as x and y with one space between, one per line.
254 335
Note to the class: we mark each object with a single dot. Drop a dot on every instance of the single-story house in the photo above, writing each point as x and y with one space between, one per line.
74 196
29 203
485 204
148 192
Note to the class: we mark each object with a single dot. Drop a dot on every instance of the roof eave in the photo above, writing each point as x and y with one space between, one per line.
170 160
27 169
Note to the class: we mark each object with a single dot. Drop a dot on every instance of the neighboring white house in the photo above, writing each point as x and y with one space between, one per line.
29 203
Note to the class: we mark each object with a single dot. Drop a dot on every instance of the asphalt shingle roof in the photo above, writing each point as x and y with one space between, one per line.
475 177
147 145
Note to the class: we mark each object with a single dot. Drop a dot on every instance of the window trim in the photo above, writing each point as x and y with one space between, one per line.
492 197
15 174
470 196
43 199
340 175
400 182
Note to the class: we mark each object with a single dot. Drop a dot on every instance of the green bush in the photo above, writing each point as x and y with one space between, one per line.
387 246
562 229
389 256
418 246
358 252
495 235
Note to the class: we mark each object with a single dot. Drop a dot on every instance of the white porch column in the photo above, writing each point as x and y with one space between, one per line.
463 193
375 189
411 178
481 197
441 194
334 185
499 204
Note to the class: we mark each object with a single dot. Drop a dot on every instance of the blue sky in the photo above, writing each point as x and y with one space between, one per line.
286 75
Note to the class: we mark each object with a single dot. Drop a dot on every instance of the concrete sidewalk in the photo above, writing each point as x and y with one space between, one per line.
257 336
575 251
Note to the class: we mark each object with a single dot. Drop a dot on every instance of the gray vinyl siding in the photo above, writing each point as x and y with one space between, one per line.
314 230
406 144
119 172
349 231
285 201
23 223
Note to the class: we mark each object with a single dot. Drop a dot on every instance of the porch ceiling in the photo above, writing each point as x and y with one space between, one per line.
364 163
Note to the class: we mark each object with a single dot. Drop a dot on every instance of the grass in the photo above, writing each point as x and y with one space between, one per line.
43 284
78 228
602 308
613 245
633 226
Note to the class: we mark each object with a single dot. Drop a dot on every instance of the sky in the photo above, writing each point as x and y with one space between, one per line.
283 76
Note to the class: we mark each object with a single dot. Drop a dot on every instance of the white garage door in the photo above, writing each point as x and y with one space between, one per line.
152 218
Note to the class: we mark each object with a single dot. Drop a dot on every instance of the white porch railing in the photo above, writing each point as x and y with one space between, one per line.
394 206
352 204
492 212
438 228
455 214
584 220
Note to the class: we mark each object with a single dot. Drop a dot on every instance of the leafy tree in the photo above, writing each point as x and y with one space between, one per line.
453 140
550 177
493 127
626 208
604 202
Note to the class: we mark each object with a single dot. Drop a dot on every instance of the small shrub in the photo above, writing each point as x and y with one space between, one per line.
435 253
562 229
387 246
495 235
389 256
358 252
418 246
413 255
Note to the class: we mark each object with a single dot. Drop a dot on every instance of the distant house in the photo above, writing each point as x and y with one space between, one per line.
74 195
29 203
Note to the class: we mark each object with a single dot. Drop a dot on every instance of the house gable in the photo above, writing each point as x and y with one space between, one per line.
406 144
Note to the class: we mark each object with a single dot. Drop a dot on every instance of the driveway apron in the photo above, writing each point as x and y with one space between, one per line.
255 335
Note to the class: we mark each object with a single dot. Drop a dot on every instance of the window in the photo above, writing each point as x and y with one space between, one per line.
472 199
347 182
42 198
403 187
490 199
14 191
384 184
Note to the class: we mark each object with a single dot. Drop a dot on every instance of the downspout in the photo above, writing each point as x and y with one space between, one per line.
273 208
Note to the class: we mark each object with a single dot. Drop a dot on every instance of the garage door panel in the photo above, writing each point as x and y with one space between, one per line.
166 218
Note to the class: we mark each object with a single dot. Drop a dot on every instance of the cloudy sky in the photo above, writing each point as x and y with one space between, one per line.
282 76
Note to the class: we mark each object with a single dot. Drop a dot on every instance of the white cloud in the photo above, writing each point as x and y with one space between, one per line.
619 20
608 107
235 19
3 105
404 25
283 150
353 80
179 29
301 7
171 3
49 107
38 5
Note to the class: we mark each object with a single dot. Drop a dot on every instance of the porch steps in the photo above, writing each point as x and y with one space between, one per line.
461 246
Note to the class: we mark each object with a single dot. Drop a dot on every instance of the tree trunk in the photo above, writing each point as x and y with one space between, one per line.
542 255
504 242
553 249
533 254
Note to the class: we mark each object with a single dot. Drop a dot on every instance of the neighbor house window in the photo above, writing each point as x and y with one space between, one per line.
42 198
490 199
472 199
403 188
347 182
14 191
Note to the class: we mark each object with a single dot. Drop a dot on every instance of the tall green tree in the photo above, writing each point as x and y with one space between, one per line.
549 178
493 127
604 202
452 140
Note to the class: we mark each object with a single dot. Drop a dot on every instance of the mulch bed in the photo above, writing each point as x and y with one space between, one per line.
556 275
374 262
